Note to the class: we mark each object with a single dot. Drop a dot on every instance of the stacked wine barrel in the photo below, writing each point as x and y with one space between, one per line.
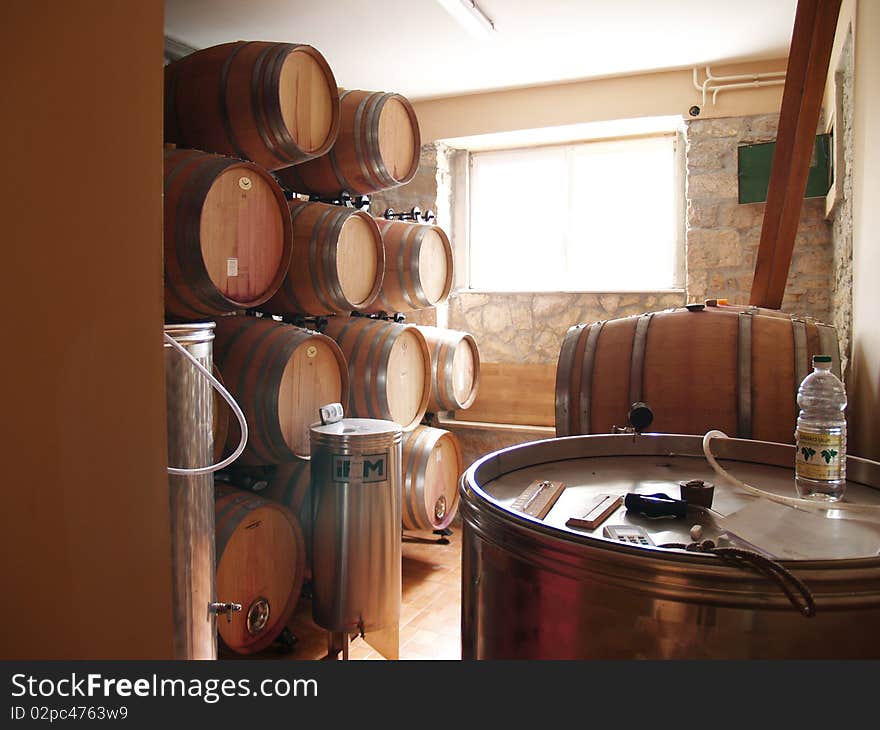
306 295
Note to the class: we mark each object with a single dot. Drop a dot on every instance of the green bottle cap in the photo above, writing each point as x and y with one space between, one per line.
821 358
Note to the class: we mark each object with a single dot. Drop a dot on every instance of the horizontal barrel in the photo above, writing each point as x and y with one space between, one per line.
280 375
432 465
227 235
337 264
389 369
731 369
260 552
290 485
418 267
377 148
455 368
273 103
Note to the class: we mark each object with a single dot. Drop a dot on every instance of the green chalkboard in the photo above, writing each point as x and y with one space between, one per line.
753 169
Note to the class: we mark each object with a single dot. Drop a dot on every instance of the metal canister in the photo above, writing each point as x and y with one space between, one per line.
356 478
191 445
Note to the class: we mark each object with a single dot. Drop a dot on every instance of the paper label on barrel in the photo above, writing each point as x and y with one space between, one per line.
231 267
368 468
818 455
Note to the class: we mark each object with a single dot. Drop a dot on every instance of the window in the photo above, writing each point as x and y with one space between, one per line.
595 216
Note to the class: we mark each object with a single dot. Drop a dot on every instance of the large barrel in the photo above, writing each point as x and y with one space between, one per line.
290 485
418 267
455 368
227 234
280 375
732 369
540 589
377 148
432 465
272 103
337 264
260 553
389 369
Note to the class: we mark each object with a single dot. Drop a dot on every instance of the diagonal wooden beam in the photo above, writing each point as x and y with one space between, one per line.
815 23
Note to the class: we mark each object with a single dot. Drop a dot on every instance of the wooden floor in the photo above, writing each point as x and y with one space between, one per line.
430 613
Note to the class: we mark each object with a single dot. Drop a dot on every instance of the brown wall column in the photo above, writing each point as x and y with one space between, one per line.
86 560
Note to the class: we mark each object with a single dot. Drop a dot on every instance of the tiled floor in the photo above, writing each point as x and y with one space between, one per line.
430 612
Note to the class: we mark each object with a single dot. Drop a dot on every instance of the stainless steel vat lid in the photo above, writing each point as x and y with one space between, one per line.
651 463
356 433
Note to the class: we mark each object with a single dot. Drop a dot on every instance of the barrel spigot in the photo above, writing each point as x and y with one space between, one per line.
228 608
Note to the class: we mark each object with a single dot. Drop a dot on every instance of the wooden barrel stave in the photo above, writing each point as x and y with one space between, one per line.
727 368
273 103
418 267
432 465
280 375
337 264
389 368
260 563
227 237
377 148
290 485
455 368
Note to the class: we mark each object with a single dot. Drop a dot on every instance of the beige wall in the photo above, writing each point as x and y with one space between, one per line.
85 538
620 97
864 384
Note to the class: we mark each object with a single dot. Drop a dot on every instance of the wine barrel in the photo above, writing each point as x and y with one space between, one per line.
377 148
432 465
455 368
260 552
418 267
723 368
221 414
389 369
227 235
337 264
280 375
273 103
290 485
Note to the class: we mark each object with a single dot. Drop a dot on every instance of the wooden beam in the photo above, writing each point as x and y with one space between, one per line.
811 42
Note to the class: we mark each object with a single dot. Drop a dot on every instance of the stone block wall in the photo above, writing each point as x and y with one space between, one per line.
722 235
842 215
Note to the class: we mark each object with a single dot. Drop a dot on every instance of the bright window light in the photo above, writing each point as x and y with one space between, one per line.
597 216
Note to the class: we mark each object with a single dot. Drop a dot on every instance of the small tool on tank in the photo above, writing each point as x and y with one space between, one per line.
655 505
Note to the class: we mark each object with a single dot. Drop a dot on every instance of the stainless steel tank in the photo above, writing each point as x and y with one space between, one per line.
190 445
539 589
356 482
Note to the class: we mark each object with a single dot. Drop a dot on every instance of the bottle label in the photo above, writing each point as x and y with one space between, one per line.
819 455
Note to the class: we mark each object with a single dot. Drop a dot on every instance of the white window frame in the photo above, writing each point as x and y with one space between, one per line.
461 166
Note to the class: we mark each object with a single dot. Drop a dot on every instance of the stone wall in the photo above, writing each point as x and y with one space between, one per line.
723 235
842 215
530 327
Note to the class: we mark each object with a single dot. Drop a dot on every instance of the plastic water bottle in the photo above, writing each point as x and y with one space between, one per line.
820 436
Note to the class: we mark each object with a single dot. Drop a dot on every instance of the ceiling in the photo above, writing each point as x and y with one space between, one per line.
416 48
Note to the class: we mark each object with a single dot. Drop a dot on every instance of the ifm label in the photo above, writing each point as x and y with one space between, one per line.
370 467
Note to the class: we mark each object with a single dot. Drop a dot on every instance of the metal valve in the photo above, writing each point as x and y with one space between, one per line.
228 608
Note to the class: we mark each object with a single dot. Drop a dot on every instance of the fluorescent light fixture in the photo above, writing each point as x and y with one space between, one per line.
469 15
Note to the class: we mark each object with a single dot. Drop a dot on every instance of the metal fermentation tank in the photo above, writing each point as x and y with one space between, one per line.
537 589
356 568
190 445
